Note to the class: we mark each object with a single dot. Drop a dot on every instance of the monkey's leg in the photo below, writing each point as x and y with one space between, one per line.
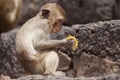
51 64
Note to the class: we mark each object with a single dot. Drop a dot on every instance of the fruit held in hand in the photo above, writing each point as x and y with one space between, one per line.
75 44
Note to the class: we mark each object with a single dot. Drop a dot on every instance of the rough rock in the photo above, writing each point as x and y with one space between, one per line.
9 64
98 52
90 65
99 48
41 77
65 61
38 77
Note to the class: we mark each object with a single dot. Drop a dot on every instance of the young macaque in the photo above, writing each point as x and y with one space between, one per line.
9 12
35 48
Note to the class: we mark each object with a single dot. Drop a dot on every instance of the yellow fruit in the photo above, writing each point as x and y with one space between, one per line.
75 44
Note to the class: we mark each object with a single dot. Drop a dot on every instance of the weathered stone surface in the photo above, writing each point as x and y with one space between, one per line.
41 77
91 65
88 65
99 48
9 64
37 77
98 52
65 61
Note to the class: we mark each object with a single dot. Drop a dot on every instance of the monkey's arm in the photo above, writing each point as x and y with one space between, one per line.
53 44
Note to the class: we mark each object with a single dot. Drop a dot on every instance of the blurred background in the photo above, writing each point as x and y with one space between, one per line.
77 11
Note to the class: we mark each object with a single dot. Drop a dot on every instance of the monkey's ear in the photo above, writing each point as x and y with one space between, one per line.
45 13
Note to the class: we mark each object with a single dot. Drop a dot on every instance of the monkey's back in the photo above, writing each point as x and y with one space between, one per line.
30 33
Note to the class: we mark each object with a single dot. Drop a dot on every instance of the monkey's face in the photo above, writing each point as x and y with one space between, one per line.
57 26
56 18
56 15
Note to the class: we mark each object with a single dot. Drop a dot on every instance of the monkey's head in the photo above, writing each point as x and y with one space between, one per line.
54 13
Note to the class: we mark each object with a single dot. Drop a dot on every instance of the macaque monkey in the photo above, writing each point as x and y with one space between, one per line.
9 12
35 48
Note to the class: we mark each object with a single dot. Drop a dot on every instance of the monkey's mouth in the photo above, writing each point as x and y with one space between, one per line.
56 28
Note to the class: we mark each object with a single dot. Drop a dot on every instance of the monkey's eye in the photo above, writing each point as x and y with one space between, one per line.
61 21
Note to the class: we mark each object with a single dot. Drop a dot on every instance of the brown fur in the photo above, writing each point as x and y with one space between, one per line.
9 12
34 47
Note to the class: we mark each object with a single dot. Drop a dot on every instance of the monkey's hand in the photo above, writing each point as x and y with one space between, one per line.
50 44
75 42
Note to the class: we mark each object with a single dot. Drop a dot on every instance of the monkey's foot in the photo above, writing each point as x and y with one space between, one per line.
59 73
